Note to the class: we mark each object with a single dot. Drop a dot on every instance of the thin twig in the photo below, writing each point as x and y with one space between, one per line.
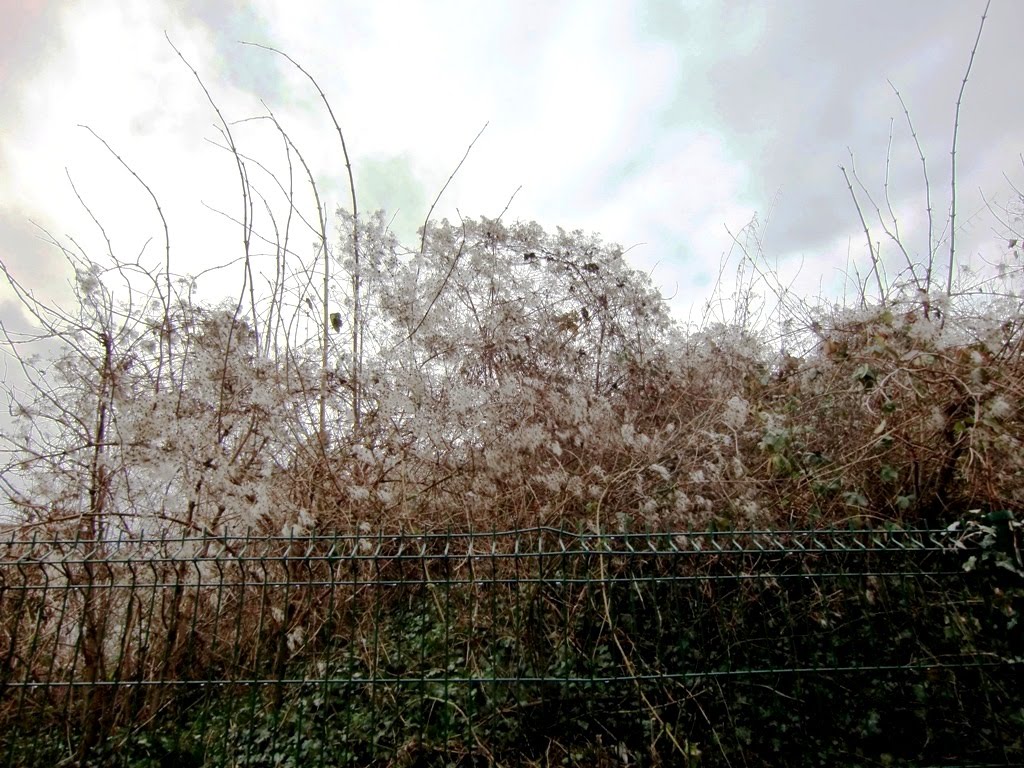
867 232
932 245
509 203
167 250
441 288
423 237
956 129
357 320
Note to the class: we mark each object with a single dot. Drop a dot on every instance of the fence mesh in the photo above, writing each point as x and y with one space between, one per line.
529 647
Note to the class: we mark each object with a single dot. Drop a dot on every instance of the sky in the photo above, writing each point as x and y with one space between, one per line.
665 126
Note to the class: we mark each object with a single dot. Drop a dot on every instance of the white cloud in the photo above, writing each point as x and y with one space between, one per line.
611 118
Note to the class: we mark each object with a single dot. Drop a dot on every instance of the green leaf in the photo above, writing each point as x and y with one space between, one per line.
866 376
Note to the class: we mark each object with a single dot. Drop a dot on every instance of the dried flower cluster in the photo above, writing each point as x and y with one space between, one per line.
507 377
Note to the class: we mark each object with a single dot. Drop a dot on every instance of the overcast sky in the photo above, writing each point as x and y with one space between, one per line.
659 124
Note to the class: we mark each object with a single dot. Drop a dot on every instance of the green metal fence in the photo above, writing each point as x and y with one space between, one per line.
529 647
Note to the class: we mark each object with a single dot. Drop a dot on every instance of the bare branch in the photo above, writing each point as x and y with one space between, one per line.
867 232
441 288
423 237
167 246
932 245
246 197
956 129
356 308
509 203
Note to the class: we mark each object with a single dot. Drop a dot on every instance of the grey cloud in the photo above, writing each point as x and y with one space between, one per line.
250 69
28 256
815 84
27 38
390 183
27 42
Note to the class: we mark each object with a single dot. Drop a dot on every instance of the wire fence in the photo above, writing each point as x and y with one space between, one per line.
528 647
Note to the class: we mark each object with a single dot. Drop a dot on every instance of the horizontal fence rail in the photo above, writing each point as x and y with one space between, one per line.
528 647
